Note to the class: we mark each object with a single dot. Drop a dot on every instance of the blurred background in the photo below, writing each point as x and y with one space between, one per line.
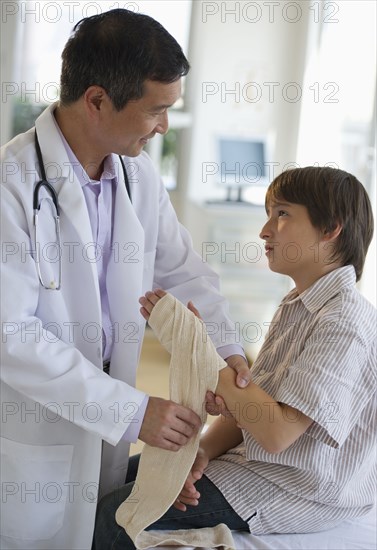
273 84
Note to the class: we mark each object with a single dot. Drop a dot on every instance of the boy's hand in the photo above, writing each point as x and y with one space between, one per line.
149 301
192 308
151 298
189 496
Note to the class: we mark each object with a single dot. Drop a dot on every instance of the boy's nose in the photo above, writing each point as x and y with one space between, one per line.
265 231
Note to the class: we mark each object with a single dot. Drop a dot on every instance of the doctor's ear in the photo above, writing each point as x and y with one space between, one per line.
94 98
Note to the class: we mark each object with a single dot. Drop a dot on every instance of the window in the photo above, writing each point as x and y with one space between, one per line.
338 114
43 28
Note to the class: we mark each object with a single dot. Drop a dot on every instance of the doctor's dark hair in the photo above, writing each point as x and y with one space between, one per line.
332 197
118 50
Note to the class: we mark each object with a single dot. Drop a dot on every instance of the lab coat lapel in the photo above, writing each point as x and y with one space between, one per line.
74 216
124 282
74 212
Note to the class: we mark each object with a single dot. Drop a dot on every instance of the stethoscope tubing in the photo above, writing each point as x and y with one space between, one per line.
36 207
54 198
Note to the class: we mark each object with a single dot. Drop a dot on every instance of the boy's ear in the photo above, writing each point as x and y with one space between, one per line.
331 235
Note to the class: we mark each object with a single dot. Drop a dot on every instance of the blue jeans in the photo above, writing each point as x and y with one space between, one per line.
212 510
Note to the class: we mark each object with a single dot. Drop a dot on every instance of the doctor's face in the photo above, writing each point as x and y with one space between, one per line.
126 132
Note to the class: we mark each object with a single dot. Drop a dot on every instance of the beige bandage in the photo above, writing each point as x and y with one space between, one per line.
194 368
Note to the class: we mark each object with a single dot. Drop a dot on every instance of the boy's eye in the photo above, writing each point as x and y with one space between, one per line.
282 213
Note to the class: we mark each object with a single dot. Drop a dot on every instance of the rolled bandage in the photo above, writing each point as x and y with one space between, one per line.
194 369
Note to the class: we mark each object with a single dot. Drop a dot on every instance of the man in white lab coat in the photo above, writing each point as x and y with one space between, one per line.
66 420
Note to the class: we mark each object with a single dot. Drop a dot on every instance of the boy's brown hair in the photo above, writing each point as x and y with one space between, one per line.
332 197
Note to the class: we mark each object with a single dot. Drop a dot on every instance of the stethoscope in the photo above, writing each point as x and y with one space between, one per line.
54 285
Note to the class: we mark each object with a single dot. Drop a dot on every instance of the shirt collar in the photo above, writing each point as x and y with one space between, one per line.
314 297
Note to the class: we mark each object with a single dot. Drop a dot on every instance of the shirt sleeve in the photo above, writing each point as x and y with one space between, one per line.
331 382
231 349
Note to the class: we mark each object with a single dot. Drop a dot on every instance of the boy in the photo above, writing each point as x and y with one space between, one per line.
297 452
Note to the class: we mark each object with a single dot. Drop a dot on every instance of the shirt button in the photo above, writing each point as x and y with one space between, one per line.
262 371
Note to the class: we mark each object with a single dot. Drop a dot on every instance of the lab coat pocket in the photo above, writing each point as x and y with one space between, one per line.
35 483
148 270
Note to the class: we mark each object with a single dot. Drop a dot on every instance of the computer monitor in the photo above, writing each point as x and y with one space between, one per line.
242 163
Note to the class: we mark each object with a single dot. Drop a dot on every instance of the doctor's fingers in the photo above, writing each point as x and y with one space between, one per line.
180 432
181 426
167 438
215 405
168 425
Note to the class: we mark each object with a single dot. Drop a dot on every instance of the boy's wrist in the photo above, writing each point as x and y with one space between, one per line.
226 376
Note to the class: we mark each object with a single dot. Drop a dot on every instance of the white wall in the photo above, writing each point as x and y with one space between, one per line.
10 55
229 52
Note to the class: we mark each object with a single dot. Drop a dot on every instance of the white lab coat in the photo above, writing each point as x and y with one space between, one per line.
58 407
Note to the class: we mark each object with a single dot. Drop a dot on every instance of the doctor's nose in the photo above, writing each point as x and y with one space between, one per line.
163 124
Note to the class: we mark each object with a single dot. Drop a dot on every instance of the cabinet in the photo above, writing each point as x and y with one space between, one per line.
227 237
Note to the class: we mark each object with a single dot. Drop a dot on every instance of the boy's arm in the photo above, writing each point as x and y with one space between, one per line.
275 426
223 434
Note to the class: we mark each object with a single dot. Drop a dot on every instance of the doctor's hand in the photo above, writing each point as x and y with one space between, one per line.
239 364
215 404
168 425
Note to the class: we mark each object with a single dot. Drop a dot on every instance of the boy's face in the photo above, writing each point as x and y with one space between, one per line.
294 247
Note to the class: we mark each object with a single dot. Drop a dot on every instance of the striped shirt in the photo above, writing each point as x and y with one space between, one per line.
319 357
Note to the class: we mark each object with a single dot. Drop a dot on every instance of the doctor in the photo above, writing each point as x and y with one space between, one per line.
72 330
